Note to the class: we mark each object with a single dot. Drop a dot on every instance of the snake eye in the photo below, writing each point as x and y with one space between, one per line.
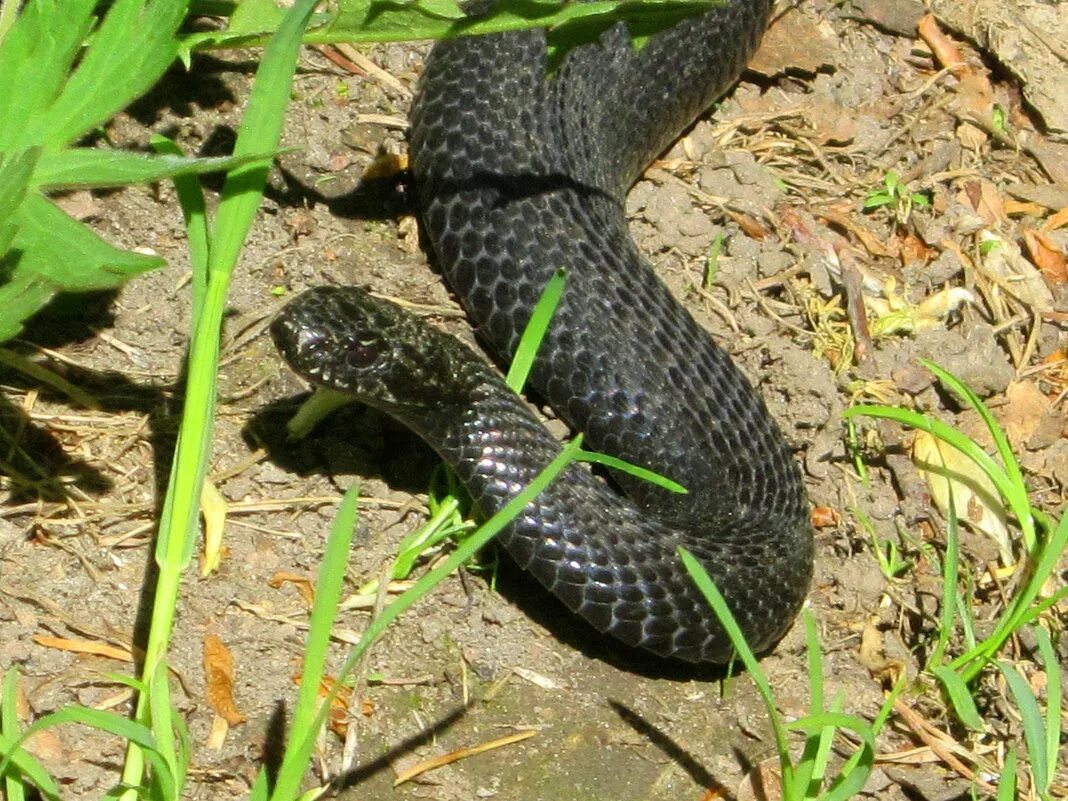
363 353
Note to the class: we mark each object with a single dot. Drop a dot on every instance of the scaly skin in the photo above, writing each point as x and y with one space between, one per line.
517 175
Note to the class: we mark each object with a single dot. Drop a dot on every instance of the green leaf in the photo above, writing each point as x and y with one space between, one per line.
535 330
15 172
86 167
398 20
15 756
960 697
1007 780
638 472
35 57
1033 726
51 253
1053 694
125 56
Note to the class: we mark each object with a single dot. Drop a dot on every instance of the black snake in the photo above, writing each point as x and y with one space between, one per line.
519 173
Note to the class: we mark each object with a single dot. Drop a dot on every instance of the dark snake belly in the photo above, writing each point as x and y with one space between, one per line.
518 175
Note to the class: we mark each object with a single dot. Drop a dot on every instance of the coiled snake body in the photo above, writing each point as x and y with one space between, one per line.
519 174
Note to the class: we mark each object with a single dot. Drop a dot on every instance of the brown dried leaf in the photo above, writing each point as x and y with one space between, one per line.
1047 257
914 252
84 647
213 508
1058 220
751 226
983 197
303 585
1004 264
1023 208
762 783
795 42
825 517
943 48
872 656
219 680
1025 409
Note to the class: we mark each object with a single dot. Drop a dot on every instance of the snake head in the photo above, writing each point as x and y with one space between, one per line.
343 339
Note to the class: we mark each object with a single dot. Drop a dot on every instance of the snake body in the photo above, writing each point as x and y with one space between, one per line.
520 173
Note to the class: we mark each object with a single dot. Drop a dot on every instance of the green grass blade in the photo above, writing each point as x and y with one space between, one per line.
16 760
300 748
744 652
950 436
195 214
632 469
1020 610
1007 781
950 589
1017 496
240 198
1054 712
855 771
328 589
260 132
534 331
1034 727
813 761
960 697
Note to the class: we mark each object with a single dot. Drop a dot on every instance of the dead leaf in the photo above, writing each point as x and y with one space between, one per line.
338 717
795 42
975 498
872 656
943 48
914 252
1047 257
1022 208
1023 411
462 753
825 517
983 197
1005 265
303 585
84 647
214 508
219 679
1058 220
752 227
830 122
762 783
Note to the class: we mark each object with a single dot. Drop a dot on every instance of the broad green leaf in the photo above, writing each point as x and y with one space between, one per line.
125 56
51 253
34 60
396 20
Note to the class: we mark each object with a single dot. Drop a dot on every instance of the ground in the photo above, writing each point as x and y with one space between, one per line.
781 171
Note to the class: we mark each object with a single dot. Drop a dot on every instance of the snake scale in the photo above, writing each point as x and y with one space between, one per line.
518 173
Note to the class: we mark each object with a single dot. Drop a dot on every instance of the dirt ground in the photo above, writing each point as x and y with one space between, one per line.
839 97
